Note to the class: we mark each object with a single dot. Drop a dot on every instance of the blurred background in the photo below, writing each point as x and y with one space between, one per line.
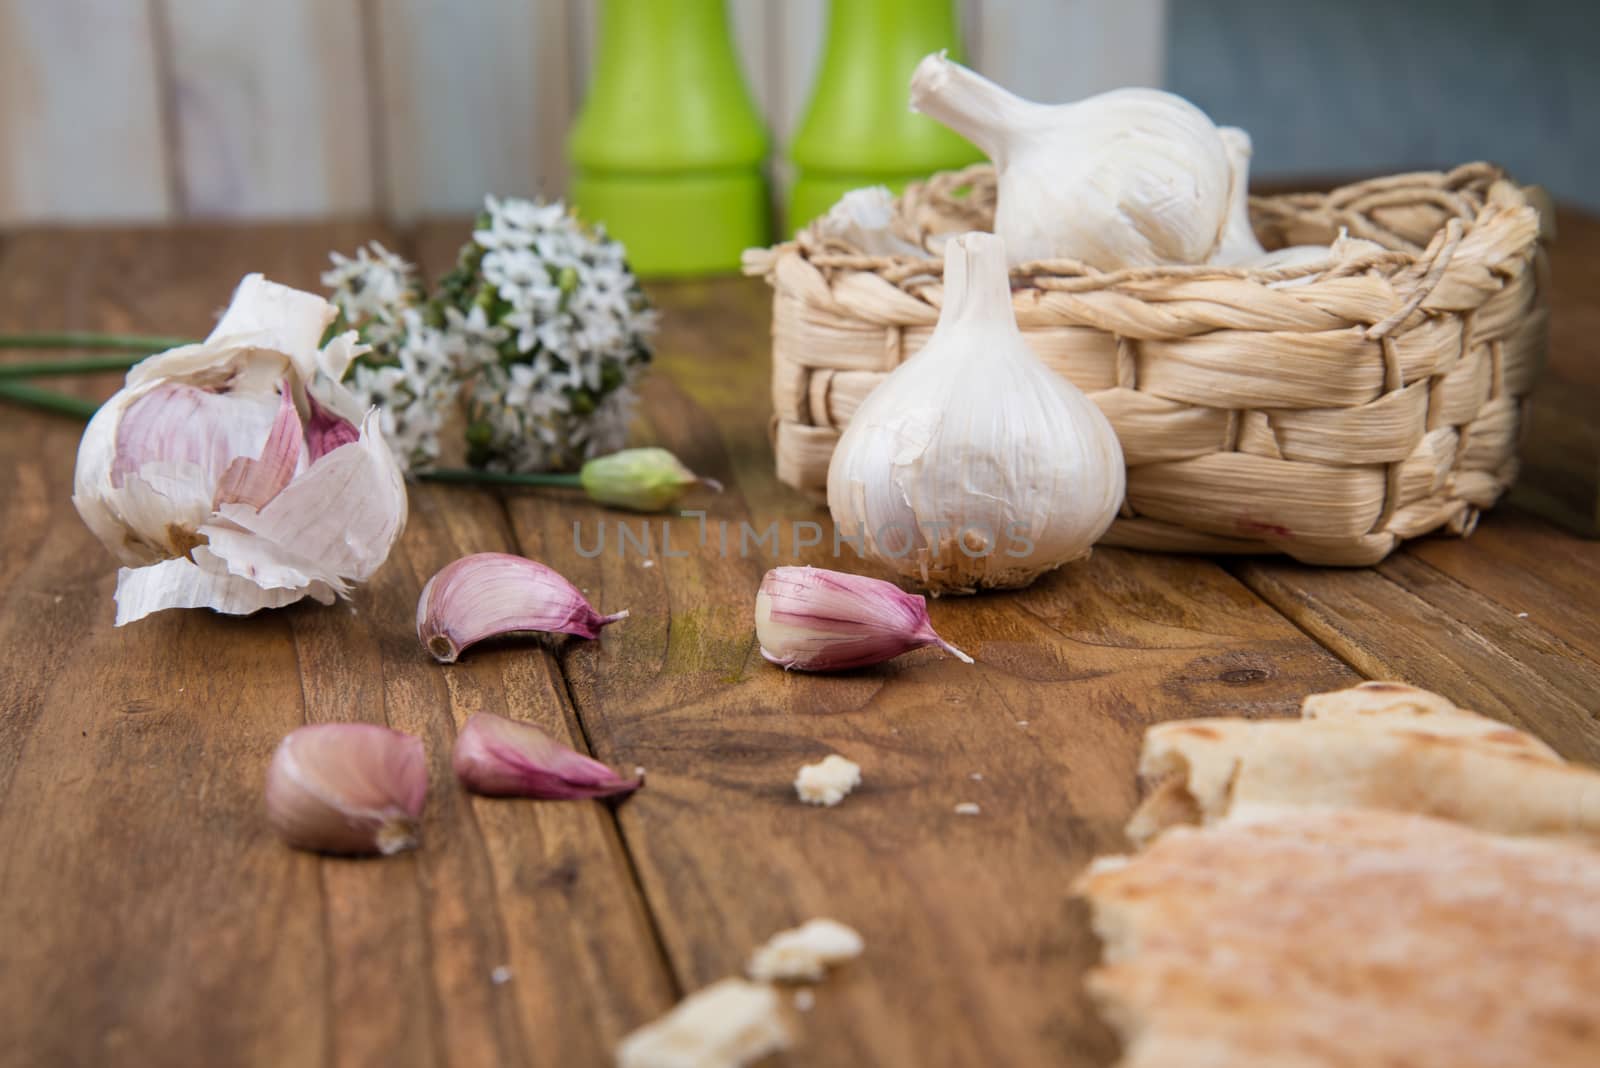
170 109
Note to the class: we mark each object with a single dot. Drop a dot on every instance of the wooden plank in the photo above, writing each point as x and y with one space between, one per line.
473 99
162 919
81 132
271 106
1411 623
1539 573
1060 50
966 918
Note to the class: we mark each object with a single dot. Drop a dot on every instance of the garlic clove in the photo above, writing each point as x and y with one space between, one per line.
1128 178
500 757
813 619
327 430
973 465
828 781
486 595
256 480
641 480
353 788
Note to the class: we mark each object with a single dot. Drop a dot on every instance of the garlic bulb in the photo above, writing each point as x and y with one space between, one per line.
863 219
1238 238
233 475
1129 178
973 464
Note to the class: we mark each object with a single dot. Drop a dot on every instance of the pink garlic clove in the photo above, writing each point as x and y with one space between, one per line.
508 758
326 430
256 480
489 594
812 619
354 788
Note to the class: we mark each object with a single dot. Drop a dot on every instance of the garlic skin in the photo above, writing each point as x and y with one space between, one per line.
237 474
354 788
1128 178
972 464
487 595
499 757
813 619
863 220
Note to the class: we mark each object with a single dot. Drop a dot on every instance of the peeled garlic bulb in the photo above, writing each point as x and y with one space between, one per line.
973 464
1129 178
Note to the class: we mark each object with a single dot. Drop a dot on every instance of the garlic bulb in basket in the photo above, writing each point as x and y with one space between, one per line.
973 464
1129 178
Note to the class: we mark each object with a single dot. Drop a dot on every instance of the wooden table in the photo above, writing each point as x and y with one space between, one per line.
147 915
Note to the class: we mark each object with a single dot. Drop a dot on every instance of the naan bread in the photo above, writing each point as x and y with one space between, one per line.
1332 938
1379 745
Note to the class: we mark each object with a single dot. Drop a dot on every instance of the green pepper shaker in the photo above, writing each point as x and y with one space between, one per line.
858 129
668 148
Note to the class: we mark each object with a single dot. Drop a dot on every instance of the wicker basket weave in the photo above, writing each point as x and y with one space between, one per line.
1325 411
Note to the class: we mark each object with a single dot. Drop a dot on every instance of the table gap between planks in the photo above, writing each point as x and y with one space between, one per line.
148 916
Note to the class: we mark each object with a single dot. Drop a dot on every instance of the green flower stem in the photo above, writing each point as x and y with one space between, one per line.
120 342
48 399
89 365
472 476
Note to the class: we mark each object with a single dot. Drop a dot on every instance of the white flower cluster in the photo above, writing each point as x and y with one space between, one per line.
541 328
580 323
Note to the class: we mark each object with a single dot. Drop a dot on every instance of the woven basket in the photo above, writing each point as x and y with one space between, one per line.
1326 410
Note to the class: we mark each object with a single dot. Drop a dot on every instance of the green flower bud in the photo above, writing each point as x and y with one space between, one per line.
642 480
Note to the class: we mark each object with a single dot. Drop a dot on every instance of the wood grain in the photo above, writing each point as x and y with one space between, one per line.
271 106
151 917
965 917
80 88
473 99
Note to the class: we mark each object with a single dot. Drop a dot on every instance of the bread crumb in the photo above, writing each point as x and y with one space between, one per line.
804 952
968 808
729 1024
827 782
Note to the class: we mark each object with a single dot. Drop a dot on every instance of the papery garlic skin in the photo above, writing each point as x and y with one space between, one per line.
352 788
1128 178
863 220
499 757
813 619
1239 242
487 595
972 464
231 474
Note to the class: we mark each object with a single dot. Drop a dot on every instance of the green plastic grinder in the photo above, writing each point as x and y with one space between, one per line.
858 129
668 147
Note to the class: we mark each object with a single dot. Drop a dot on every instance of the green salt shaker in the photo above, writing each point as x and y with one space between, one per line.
668 148
858 129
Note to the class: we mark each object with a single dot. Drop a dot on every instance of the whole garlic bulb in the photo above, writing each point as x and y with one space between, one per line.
973 464
1129 178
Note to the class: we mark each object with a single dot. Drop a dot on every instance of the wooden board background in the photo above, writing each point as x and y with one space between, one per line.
160 109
